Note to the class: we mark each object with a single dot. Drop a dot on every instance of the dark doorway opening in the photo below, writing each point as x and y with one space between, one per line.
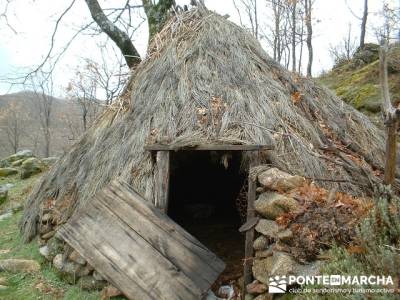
204 186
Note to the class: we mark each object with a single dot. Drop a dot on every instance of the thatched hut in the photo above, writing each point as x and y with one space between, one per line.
207 81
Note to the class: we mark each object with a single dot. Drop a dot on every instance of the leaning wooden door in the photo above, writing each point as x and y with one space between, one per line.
139 249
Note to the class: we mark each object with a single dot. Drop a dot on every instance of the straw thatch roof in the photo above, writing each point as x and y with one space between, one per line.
207 79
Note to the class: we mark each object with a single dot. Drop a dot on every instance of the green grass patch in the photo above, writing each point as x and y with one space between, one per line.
45 284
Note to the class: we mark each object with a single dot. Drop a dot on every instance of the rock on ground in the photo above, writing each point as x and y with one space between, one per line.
3 194
19 266
279 263
271 205
31 166
76 257
4 172
89 283
256 288
277 180
261 243
109 292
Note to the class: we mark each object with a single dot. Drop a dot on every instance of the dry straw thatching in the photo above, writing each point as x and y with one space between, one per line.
208 80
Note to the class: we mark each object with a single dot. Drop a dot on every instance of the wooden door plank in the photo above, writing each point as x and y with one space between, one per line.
162 180
139 249
189 262
102 262
153 272
123 191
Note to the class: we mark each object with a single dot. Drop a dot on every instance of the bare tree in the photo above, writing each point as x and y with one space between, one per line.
12 124
249 7
43 87
293 9
109 75
308 7
363 20
120 37
364 24
82 90
345 50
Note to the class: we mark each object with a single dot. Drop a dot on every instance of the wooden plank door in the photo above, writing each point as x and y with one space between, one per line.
139 249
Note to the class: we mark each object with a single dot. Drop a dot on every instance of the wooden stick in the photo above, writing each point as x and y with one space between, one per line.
249 251
391 120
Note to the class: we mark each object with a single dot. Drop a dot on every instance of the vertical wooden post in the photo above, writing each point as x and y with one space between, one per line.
249 251
162 180
391 118
391 152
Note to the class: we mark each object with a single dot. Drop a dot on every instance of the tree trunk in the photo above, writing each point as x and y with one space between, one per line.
308 9
294 35
120 38
364 24
301 47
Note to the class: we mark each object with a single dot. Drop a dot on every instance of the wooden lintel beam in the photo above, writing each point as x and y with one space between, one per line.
208 147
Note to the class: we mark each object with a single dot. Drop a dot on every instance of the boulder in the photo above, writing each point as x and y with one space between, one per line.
17 163
4 172
286 236
4 163
55 246
19 266
277 180
44 251
3 194
109 292
256 288
6 215
280 263
31 166
268 228
23 154
366 55
68 270
48 235
261 243
97 276
249 297
3 281
393 59
271 205
76 257
265 296
89 283
3 287
264 253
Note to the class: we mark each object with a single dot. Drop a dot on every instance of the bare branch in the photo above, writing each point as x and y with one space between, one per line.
120 38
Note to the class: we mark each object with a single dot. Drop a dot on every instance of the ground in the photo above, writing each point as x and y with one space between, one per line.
44 285
358 84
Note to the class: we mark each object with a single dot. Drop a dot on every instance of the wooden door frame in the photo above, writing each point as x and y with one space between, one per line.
162 178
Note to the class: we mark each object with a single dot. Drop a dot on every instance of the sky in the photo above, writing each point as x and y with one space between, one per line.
34 21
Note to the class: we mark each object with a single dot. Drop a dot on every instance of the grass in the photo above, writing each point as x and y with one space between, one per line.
45 284
360 86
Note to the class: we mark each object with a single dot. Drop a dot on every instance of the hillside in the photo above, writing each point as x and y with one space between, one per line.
357 81
22 108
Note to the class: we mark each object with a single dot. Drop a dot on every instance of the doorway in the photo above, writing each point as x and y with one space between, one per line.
203 189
